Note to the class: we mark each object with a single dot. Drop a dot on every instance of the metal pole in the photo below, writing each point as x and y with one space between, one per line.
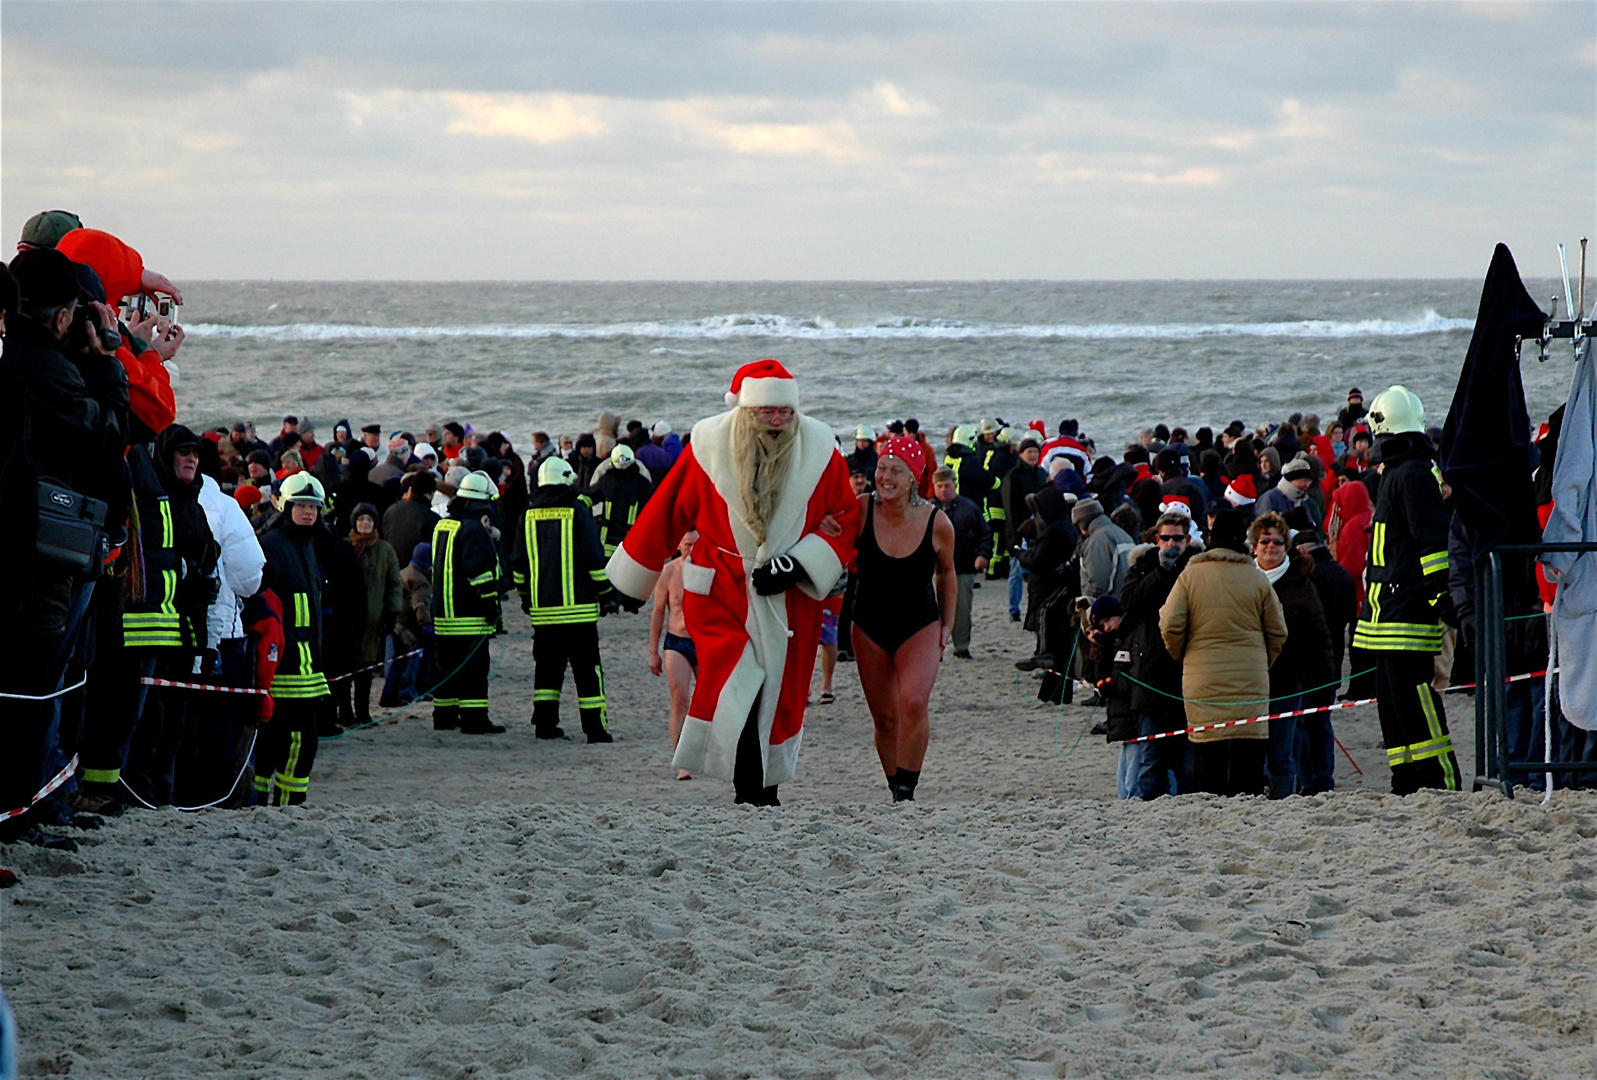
1497 672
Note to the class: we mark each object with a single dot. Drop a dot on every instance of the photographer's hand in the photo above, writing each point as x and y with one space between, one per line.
146 328
166 345
153 283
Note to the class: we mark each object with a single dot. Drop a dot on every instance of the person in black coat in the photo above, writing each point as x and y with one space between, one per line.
1305 659
353 490
1339 601
1055 581
1156 693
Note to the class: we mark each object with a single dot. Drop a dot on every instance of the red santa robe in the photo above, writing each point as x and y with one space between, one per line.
749 646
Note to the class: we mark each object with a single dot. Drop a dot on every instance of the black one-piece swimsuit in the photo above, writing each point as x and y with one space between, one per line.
894 600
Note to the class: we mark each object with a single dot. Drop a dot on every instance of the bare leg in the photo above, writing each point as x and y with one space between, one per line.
880 683
916 666
679 677
828 667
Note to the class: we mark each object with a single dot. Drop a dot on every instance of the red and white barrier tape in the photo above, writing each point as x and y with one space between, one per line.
1253 720
371 667
48 697
55 781
204 686
1510 679
1306 712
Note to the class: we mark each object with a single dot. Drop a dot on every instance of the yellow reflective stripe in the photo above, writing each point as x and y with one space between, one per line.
632 515
461 626
473 703
101 776
1441 740
443 563
1436 560
285 776
167 539
546 695
481 579
568 577
518 577
561 616
599 575
1378 544
302 609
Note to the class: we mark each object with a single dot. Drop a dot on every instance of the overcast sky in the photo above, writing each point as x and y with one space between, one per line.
811 140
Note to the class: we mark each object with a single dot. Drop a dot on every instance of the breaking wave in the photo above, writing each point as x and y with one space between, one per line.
755 325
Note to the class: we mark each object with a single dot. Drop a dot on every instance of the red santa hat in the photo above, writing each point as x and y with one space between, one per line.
763 383
1176 504
1240 492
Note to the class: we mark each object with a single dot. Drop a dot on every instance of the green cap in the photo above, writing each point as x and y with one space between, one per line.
47 228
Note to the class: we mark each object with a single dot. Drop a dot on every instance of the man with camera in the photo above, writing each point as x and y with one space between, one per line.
70 397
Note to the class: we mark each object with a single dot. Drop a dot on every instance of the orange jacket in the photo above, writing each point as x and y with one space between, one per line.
121 271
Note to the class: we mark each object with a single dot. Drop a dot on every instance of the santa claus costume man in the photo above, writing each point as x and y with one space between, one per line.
768 492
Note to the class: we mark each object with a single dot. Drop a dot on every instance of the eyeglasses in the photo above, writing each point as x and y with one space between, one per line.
771 412
1269 541
1163 539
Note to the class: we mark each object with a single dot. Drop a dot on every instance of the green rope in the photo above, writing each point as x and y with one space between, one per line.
1059 720
1230 704
1533 615
376 720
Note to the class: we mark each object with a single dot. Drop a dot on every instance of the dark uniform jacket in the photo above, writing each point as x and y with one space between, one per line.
559 567
619 497
465 597
1406 571
290 551
1147 587
971 536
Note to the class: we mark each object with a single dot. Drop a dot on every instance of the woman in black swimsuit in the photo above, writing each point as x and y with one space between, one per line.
901 624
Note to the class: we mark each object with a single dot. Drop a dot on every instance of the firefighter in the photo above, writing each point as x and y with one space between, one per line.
287 747
465 606
619 496
978 485
559 570
997 457
1406 598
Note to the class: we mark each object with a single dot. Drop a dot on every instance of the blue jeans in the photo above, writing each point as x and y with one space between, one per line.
1316 745
1524 732
1129 766
1283 743
1163 761
1017 585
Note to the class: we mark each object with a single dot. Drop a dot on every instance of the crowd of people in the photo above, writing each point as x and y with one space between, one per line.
1190 578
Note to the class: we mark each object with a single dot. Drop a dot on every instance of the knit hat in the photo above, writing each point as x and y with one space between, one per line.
1230 531
908 451
45 278
1296 467
1241 492
1105 608
763 383
247 495
660 429
1085 512
422 555
424 450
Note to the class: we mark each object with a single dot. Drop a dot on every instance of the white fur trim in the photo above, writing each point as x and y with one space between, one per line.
756 393
631 576
820 562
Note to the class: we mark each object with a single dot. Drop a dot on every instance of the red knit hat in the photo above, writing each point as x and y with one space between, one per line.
763 383
908 451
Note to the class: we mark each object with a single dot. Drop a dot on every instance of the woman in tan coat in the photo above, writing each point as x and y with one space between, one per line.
1225 625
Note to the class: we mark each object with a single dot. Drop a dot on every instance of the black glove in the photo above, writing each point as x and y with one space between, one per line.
628 604
1466 629
1168 556
609 602
778 575
1443 606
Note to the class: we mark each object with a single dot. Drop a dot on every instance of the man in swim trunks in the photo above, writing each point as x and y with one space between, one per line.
768 492
679 661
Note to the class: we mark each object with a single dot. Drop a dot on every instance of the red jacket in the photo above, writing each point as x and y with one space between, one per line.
266 633
121 271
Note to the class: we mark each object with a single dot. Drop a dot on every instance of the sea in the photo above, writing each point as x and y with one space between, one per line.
1119 356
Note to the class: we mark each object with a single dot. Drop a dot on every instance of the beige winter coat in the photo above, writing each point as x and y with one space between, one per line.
1225 625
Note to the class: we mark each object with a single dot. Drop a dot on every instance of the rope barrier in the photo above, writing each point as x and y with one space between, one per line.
48 697
55 781
216 802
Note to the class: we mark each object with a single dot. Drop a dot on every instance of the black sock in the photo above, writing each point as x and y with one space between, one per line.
903 784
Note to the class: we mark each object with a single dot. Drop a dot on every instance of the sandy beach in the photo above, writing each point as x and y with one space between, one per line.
453 907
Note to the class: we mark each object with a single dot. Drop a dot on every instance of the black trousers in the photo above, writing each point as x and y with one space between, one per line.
1413 723
286 751
461 694
553 648
748 768
1230 766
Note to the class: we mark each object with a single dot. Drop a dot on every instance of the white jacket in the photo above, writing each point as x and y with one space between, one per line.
238 566
1574 519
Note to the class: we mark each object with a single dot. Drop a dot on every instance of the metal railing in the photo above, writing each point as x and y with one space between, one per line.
1491 677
